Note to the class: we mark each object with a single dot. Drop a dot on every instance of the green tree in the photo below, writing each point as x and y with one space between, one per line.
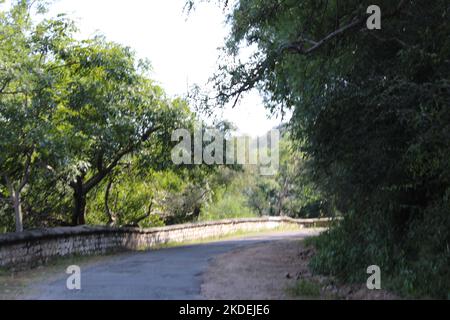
73 110
290 192
108 109
26 107
371 110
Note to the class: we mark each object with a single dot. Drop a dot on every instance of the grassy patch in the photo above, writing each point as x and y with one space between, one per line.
305 289
311 241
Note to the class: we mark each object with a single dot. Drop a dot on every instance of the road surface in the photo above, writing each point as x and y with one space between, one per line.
166 274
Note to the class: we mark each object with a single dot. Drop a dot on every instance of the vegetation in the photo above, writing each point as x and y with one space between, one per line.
84 129
86 134
289 192
370 112
305 289
86 137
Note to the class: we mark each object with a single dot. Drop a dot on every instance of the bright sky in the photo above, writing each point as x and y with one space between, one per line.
182 49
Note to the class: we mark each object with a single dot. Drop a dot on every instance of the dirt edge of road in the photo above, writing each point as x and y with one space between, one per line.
276 270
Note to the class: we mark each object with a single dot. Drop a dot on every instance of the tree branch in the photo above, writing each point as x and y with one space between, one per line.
5 85
298 46
27 171
107 210
145 216
92 182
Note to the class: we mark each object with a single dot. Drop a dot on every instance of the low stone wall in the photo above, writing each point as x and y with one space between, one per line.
36 247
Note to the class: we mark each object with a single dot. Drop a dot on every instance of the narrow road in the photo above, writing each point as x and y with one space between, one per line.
173 273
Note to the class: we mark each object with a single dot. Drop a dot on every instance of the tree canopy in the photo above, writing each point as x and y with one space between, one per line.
73 110
370 111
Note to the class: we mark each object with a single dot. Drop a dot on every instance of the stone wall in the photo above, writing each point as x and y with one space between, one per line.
36 247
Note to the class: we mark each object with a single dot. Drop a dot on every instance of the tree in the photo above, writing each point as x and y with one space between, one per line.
25 106
110 110
290 192
370 108
73 110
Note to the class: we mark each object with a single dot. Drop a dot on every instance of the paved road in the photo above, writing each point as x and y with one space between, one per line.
173 273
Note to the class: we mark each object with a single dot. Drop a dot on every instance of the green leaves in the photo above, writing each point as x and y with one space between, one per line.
76 108
370 109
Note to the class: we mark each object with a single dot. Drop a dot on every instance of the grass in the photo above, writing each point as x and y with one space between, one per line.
311 241
305 289
308 288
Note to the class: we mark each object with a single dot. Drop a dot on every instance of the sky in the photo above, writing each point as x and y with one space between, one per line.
183 49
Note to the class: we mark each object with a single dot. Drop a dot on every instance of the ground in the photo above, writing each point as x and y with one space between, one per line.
277 270
263 266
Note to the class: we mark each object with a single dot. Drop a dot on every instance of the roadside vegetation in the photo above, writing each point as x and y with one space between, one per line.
305 289
85 132
370 117
86 137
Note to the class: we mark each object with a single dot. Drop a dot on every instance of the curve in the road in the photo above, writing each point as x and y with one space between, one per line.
173 273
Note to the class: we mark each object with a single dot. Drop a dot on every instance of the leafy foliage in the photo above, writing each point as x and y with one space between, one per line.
370 111
81 119
229 199
290 192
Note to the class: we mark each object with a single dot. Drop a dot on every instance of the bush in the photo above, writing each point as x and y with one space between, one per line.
416 266
305 289
229 206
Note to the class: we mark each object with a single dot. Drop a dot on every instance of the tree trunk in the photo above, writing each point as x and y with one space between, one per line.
111 215
79 197
79 210
16 202
280 207
17 210
282 195
196 213
81 189
15 192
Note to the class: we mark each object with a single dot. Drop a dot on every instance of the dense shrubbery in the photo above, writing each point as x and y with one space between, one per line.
381 148
414 266
371 110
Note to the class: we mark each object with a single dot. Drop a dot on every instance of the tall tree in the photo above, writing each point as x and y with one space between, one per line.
25 105
372 109
109 109
74 108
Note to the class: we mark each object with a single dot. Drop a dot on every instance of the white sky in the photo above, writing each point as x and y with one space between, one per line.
182 49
